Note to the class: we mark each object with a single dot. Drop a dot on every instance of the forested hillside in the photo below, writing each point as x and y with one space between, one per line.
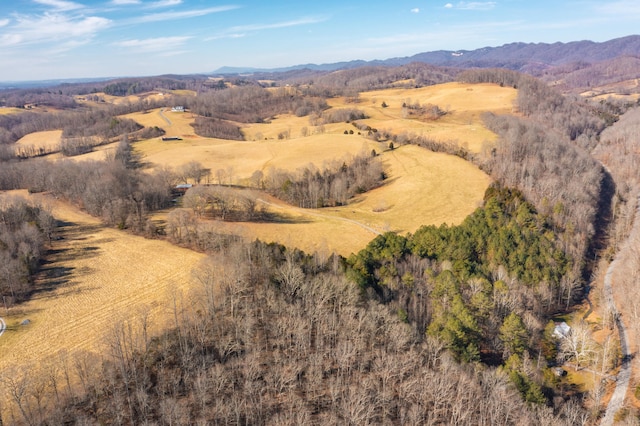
451 324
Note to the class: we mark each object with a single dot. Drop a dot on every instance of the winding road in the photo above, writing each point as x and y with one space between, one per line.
622 379
624 375
164 117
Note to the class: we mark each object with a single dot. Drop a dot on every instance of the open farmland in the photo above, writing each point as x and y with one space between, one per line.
463 104
46 141
98 278
173 123
5 110
435 188
119 100
243 158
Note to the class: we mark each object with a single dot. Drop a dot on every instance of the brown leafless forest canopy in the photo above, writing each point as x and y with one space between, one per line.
448 325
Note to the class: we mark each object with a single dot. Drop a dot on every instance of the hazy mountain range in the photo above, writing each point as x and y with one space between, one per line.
532 58
572 64
517 56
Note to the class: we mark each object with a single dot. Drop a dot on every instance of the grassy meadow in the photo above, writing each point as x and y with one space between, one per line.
463 104
99 277
435 188
47 140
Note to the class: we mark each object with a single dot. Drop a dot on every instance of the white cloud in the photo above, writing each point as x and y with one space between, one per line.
60 4
124 2
10 39
476 5
159 44
448 6
622 8
285 24
225 36
241 31
170 16
164 3
53 27
415 10
4 22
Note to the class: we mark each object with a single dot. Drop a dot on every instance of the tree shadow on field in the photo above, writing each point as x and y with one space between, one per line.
281 218
51 278
67 246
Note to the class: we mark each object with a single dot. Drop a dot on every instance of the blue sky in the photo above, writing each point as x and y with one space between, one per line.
47 39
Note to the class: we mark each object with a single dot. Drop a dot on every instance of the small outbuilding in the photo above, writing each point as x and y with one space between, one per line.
561 330
182 188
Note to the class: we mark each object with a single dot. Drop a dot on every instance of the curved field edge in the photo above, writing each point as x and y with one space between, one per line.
423 188
98 277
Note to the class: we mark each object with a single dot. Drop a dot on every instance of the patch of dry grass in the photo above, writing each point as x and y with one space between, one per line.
464 104
173 123
424 188
242 158
48 139
9 110
183 92
104 276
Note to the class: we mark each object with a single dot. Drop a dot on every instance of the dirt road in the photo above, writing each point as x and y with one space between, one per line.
622 379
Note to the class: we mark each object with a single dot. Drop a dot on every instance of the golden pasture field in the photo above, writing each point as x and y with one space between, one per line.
5 110
242 158
423 187
173 123
119 100
101 277
48 139
464 104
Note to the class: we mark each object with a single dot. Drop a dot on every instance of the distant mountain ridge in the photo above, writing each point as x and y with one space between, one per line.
516 56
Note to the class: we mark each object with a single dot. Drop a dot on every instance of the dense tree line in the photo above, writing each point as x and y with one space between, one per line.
114 190
486 289
223 203
270 336
561 180
582 76
38 97
452 147
102 122
216 128
135 86
348 82
25 230
618 151
337 115
461 282
570 115
253 104
310 187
